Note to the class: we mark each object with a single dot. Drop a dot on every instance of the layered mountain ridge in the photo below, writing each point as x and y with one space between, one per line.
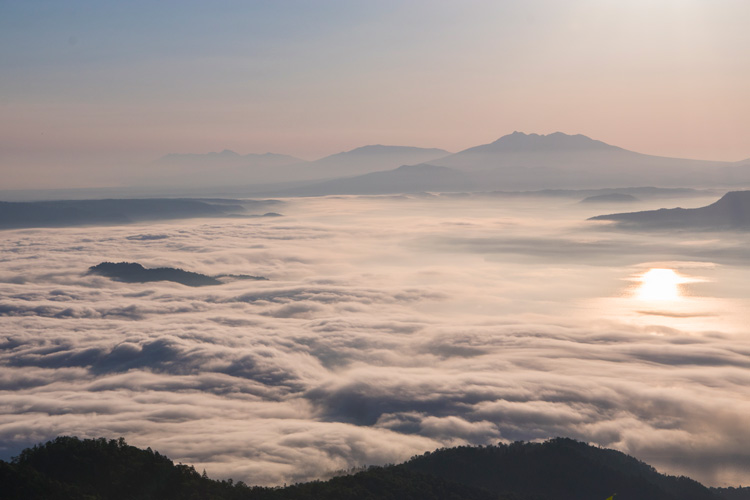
232 168
516 161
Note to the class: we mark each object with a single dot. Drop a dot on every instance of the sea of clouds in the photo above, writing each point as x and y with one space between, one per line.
388 326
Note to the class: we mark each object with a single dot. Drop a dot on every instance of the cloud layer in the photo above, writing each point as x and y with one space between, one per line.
388 327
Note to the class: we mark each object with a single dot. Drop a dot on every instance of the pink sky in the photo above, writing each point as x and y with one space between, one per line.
112 87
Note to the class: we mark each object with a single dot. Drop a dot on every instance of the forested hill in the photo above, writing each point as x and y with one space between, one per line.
560 469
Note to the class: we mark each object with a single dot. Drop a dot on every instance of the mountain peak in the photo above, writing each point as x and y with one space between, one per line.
228 153
557 141
385 149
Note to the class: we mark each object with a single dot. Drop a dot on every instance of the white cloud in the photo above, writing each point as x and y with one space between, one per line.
388 327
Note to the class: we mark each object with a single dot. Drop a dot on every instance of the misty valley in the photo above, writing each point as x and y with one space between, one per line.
386 326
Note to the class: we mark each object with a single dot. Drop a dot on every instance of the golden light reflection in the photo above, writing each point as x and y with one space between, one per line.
660 284
664 301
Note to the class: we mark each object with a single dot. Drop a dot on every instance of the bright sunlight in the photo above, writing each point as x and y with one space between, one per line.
660 284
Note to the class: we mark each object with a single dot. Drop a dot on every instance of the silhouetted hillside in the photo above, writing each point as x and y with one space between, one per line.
610 198
383 483
86 212
732 211
68 468
132 272
94 469
732 493
559 469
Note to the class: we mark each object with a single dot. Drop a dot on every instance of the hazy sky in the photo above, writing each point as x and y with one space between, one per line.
107 83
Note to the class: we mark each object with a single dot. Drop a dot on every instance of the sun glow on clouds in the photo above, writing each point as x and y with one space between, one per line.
660 284
388 327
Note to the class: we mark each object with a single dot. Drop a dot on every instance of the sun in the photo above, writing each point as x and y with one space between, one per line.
660 284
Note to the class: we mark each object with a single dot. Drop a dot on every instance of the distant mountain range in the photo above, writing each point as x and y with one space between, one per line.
554 161
231 168
404 179
732 211
368 159
515 161
560 469
565 153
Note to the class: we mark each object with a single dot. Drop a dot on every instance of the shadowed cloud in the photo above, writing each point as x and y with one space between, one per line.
374 341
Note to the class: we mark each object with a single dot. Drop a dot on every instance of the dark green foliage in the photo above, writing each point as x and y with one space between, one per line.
70 468
732 493
560 469
393 482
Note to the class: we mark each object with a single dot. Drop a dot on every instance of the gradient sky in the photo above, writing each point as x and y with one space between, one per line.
108 84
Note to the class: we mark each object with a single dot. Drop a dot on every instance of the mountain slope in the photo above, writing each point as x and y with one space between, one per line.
732 211
105 212
230 169
558 150
363 160
563 160
405 179
514 161
519 142
560 469
69 468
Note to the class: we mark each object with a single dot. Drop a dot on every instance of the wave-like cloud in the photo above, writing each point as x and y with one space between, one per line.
388 327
